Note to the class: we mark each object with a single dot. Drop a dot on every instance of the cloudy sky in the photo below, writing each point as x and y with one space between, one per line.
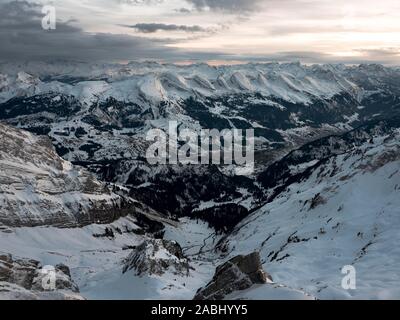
216 31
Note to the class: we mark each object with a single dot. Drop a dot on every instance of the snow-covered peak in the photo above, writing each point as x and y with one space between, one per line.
25 78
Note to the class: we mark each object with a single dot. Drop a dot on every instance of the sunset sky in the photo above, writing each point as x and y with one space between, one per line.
205 30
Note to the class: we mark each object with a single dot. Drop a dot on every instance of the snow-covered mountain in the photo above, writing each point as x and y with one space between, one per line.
342 210
282 102
323 195
155 82
97 116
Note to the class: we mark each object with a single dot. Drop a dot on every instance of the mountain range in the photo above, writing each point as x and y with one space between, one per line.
76 190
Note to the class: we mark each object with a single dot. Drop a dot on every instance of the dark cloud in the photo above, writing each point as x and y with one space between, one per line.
22 38
154 27
233 6
183 10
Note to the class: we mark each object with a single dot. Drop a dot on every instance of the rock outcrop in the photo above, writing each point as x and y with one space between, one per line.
22 278
239 273
38 188
155 257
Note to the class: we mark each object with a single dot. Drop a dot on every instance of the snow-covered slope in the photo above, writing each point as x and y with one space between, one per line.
97 263
344 211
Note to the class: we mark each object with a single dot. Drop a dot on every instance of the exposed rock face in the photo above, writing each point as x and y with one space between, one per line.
25 279
20 272
38 188
239 273
156 256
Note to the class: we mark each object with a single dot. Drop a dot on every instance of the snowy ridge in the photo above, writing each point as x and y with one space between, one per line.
37 187
157 82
